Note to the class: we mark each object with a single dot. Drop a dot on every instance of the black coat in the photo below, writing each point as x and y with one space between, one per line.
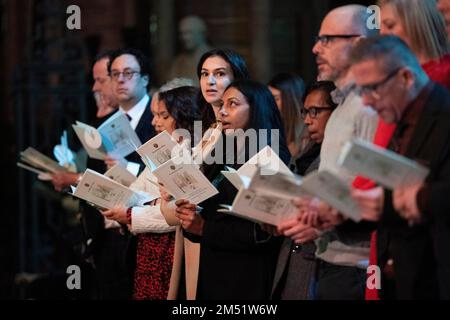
233 263
145 132
421 253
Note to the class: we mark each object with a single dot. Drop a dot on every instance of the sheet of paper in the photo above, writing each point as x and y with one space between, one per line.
265 160
261 208
107 193
333 191
121 175
41 161
89 137
386 167
277 184
158 149
118 136
234 177
184 181
30 168
268 160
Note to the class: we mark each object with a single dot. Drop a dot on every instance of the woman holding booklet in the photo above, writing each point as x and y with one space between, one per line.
157 274
237 259
216 69
294 276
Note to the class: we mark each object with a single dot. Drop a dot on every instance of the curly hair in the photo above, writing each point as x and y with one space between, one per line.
181 104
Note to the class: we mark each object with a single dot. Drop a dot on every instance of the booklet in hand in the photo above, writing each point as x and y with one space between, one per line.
37 162
332 190
267 198
115 137
386 167
121 175
159 149
266 159
106 193
184 180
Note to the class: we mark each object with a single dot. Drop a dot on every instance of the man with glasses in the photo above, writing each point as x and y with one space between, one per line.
130 74
414 230
114 252
342 254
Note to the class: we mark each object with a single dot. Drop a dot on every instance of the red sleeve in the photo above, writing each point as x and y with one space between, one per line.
383 135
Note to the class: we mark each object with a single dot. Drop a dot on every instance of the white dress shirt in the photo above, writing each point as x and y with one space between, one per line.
137 111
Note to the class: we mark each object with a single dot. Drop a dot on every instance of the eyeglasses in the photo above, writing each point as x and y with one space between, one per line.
313 111
127 74
326 38
372 89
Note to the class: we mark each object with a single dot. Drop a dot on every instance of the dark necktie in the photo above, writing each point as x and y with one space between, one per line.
128 116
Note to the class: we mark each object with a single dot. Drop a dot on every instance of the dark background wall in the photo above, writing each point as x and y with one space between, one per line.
46 86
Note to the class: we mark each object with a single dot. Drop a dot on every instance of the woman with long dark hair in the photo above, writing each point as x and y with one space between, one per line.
237 259
216 69
288 90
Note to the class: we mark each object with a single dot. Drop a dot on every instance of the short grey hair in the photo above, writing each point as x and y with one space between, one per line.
390 50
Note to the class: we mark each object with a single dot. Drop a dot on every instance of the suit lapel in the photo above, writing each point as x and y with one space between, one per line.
144 129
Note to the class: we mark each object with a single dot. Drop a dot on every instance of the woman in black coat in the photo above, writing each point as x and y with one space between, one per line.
237 258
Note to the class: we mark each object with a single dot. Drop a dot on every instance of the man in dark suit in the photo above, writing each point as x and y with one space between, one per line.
130 74
414 222
115 248
111 248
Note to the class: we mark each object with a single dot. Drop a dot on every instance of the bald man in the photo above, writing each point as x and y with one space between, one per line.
343 253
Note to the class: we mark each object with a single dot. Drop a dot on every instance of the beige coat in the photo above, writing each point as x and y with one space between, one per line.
183 249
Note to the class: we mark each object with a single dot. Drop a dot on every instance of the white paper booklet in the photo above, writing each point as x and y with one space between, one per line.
260 208
266 159
39 163
332 190
121 175
279 189
91 140
266 198
106 193
159 149
184 181
386 167
115 137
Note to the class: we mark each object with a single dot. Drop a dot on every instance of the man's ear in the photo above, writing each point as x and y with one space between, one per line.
408 77
146 79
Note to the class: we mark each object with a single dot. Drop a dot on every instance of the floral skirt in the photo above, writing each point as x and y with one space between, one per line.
153 265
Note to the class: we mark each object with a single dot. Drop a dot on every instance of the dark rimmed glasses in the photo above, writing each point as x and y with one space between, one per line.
127 74
325 39
313 111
